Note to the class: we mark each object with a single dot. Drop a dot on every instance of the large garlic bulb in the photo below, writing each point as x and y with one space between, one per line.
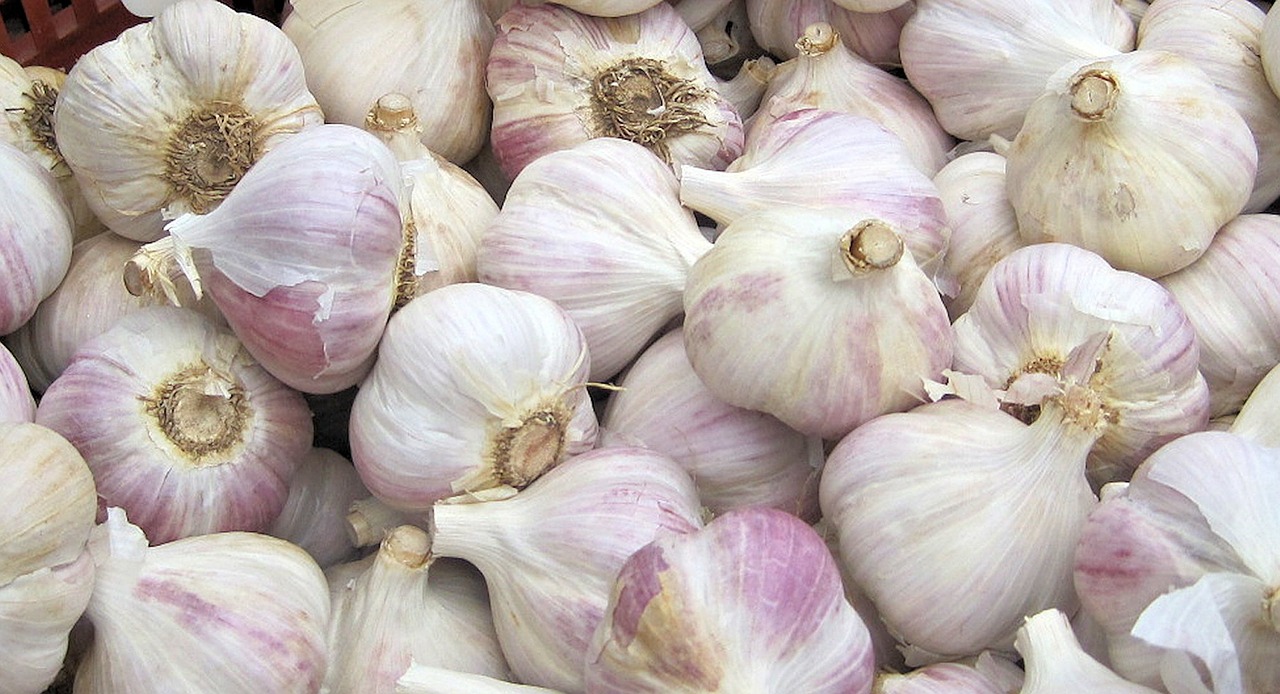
713 611
558 77
16 401
231 613
819 317
599 230
1056 663
476 387
35 235
167 117
37 612
551 553
179 425
1111 143
776 24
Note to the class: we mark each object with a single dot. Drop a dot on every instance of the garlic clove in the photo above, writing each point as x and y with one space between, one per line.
37 612
17 404
425 679
873 35
314 516
1056 663
35 234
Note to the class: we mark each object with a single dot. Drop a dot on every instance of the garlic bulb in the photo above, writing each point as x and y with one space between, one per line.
709 611
827 75
870 5
981 64
1224 39
1055 663
314 516
228 612
37 611
404 609
1180 567
1269 49
738 458
1109 145
558 78
938 678
1254 421
1229 297
776 24
551 552
425 679
48 503
309 307
475 387
817 317
747 87
1054 315
433 52
179 426
984 227
16 401
822 159
618 269
35 235
167 117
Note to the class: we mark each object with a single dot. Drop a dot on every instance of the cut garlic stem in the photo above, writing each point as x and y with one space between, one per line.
369 521
872 244
818 38
1093 94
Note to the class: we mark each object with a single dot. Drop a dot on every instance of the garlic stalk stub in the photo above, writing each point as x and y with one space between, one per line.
709 611
314 516
179 426
551 552
1055 662
37 612
35 235
475 388
16 401
775 24
170 115
599 230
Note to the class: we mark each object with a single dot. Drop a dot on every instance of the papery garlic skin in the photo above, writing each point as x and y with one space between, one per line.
1055 662
179 426
938 678
35 232
167 117
776 24
558 78
314 516
1254 420
551 552
476 387
37 612
820 318
746 88
17 404
1120 138
425 679
981 63
598 229
240 613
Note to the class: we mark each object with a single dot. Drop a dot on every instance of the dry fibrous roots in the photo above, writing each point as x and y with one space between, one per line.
209 152
638 100
38 117
521 454
406 267
203 412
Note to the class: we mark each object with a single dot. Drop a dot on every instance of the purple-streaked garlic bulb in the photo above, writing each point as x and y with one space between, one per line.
981 63
821 318
476 388
17 404
750 603
558 77
598 229
300 257
232 612
179 425
314 516
37 613
738 458
35 237
1181 567
776 24
1050 317
975 677
551 552
1056 663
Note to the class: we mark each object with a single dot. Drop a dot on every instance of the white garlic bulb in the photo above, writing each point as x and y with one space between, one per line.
432 52
1111 142
1254 420
37 612
17 404
819 317
981 64
179 425
425 679
558 78
233 613
35 235
617 268
314 516
1055 662
167 117
938 678
868 6
551 553
475 387
1269 49
776 24
746 88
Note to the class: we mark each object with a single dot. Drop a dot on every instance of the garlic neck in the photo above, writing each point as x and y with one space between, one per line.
407 546
871 244
208 153
818 39
38 117
406 281
636 99
1086 408
521 453
153 271
1093 94
202 412
393 120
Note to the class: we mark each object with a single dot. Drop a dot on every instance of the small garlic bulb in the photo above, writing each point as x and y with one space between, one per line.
233 613
558 78
598 229
16 401
314 516
713 611
167 117
475 387
35 235
820 318
425 679
1112 142
775 24
179 426
37 612
1055 662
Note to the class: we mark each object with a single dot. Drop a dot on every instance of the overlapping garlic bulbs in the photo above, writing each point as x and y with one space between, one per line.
776 24
321 491
35 234
985 674
1055 662
37 613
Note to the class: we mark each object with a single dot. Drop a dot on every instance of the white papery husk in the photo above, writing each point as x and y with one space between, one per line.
16 401
120 116
1044 303
939 678
1224 39
425 679
37 611
476 387
549 61
550 553
1116 140
1056 663
1181 568
710 611
35 233
981 63
1269 50
776 24
314 516
235 612
599 230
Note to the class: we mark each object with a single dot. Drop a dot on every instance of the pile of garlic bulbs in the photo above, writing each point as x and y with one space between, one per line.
629 346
